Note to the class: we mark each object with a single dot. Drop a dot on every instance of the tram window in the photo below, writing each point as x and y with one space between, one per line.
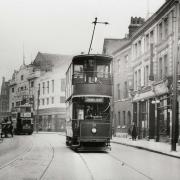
78 71
78 68
102 71
80 114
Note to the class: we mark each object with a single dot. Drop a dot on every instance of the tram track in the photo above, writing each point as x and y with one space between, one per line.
49 164
19 156
86 165
25 156
123 163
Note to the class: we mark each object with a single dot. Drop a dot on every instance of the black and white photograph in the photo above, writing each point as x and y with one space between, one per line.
89 90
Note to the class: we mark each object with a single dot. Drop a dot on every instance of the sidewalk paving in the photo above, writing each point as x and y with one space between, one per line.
158 147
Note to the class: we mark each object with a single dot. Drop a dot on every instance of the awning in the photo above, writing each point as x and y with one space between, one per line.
145 95
159 90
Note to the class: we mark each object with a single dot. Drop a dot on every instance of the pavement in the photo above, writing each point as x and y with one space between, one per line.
150 145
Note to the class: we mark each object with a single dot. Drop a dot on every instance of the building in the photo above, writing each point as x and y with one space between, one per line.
122 86
21 86
153 52
42 84
4 100
50 110
120 49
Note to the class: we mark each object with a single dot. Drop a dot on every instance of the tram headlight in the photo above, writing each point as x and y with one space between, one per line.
94 130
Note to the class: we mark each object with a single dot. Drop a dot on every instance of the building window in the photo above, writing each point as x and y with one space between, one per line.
48 87
119 65
136 50
165 27
165 66
12 90
22 88
43 87
152 36
125 90
39 89
139 77
62 99
22 77
124 117
47 101
146 75
43 101
119 118
52 100
147 42
160 69
126 58
63 85
139 47
135 80
118 91
32 84
12 105
160 32
52 86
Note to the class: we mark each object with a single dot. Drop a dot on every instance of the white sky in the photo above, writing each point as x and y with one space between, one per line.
61 26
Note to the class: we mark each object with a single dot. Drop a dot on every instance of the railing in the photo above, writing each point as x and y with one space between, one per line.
92 77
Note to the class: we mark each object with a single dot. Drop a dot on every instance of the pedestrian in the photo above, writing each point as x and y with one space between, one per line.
11 127
134 132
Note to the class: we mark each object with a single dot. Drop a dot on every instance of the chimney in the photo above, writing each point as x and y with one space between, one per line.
3 79
135 23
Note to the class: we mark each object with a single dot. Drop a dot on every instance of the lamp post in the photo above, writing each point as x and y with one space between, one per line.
95 22
175 119
156 102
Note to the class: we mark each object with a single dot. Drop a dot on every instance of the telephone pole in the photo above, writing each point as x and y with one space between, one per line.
95 22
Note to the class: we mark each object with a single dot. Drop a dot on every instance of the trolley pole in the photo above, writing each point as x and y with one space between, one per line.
95 22
175 126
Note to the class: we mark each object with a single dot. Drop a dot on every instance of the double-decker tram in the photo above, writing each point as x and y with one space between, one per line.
88 99
23 119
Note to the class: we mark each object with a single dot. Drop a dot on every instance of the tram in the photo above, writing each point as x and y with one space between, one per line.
23 119
88 102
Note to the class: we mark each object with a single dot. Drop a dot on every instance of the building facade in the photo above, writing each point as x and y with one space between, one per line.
153 55
50 102
42 84
122 85
153 52
4 100
22 86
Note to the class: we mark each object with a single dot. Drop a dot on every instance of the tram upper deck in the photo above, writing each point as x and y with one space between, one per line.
89 75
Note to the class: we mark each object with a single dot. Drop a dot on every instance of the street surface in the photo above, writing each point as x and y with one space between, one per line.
45 156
